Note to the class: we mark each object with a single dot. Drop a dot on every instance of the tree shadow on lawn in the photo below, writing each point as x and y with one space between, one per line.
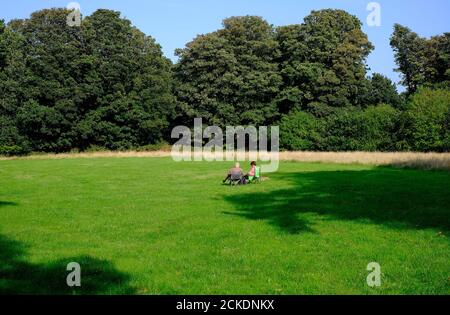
17 276
393 197
7 203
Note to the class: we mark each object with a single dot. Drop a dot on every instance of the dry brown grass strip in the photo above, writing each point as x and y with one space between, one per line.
88 155
400 159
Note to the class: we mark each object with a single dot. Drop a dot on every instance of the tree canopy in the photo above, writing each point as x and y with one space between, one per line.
421 61
230 77
322 62
380 90
105 84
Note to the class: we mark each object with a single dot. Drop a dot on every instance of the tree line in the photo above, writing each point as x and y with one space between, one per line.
105 84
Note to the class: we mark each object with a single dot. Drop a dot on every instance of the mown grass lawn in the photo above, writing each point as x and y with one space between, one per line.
153 226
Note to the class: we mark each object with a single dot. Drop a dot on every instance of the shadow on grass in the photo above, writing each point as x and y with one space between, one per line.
7 203
17 276
392 197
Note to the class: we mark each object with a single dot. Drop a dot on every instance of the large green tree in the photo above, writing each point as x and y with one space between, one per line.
421 61
437 71
11 91
230 77
322 62
126 84
2 46
103 83
409 51
48 100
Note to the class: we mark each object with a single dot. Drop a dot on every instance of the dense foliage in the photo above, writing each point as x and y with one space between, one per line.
230 77
350 129
106 84
421 61
322 62
301 131
425 122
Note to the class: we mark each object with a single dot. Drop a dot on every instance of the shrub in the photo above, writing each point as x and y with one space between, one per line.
424 125
160 146
95 148
379 128
10 150
371 129
341 132
300 131
11 142
446 136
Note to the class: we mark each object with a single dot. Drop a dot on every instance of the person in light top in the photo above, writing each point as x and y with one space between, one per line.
235 171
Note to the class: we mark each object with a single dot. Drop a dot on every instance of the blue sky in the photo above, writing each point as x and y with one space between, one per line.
173 23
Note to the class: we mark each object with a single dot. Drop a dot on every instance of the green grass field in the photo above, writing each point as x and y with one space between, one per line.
153 226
